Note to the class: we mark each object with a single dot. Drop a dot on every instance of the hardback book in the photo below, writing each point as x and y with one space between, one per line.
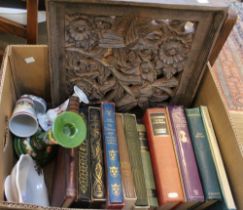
98 193
83 168
186 158
228 201
147 167
203 157
132 140
64 184
126 170
83 173
65 179
166 171
112 160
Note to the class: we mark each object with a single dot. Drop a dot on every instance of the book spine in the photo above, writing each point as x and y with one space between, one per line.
70 171
83 172
59 191
132 139
112 160
203 155
147 167
167 177
187 162
96 153
220 169
126 171
70 162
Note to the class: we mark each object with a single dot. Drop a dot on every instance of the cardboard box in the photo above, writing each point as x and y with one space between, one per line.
25 70
227 135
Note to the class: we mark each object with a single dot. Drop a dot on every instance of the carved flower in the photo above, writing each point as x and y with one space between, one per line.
81 31
171 56
172 51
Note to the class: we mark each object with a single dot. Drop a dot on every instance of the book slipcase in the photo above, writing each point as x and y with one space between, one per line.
19 78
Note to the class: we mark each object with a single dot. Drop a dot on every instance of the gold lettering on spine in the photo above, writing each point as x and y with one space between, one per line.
83 168
159 126
98 188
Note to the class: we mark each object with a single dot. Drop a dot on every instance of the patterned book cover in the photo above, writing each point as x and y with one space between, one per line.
83 168
96 155
186 157
132 139
220 169
112 160
167 177
203 156
147 167
126 170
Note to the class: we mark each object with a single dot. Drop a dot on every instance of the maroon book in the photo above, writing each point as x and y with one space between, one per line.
64 187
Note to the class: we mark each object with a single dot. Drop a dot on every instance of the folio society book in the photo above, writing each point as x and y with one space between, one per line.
167 177
126 170
64 185
204 157
228 201
147 167
96 154
112 160
186 158
133 144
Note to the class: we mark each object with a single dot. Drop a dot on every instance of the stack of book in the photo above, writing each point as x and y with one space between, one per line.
170 159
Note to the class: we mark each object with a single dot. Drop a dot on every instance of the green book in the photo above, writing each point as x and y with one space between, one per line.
204 157
147 167
132 139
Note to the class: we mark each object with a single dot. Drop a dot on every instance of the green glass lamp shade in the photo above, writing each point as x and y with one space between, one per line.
69 129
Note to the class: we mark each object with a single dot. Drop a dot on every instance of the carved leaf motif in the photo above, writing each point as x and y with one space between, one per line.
131 60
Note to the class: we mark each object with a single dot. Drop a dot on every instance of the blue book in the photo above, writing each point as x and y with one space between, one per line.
204 157
112 160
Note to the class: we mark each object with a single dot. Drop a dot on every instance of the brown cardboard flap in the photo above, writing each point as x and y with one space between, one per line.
209 95
31 67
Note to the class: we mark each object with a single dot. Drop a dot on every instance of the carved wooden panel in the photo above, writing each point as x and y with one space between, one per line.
135 56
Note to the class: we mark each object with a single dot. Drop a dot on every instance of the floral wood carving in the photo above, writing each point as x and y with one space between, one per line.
130 60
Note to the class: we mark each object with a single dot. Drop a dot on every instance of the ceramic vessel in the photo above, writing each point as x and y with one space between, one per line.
40 104
46 120
36 147
10 190
26 184
23 122
30 183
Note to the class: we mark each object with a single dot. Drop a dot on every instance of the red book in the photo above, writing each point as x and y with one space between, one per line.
167 177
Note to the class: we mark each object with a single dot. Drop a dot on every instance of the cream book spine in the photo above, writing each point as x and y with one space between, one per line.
217 158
